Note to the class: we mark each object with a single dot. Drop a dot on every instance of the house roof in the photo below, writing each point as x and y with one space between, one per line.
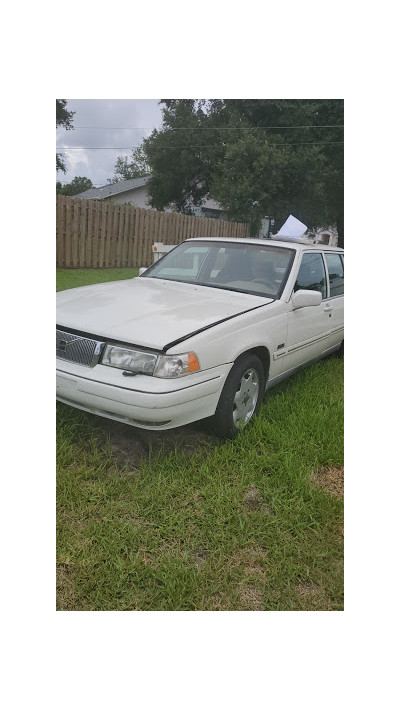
114 189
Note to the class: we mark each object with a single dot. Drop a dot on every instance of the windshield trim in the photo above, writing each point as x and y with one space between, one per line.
214 286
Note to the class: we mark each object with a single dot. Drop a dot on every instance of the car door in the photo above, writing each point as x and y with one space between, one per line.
335 268
309 328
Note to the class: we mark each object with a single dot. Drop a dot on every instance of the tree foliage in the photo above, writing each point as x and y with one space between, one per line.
255 157
136 167
63 118
77 185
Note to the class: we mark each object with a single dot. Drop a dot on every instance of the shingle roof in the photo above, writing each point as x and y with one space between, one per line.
113 189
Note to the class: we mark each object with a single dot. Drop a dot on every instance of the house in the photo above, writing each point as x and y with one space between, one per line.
135 192
209 208
324 235
132 191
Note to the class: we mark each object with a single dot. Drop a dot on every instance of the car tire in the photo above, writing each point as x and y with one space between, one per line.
241 397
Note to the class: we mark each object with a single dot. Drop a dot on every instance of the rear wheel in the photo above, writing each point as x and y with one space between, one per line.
241 396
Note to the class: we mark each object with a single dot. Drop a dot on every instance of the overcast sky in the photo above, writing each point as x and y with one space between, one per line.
119 124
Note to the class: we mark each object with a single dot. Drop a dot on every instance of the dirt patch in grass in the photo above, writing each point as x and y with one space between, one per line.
250 564
312 597
331 479
199 558
251 559
254 501
252 599
127 448
65 595
217 602
130 445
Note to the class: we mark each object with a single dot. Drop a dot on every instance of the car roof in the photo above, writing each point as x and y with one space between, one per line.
288 244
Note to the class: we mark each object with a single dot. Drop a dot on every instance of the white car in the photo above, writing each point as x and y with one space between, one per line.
202 332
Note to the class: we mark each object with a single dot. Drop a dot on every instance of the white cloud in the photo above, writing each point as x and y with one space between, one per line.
98 123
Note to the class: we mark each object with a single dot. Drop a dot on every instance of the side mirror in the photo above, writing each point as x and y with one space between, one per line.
142 270
306 297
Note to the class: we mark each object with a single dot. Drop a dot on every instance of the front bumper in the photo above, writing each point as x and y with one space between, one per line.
141 400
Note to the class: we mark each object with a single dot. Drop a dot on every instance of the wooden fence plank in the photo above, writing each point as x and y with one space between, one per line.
124 245
82 233
196 229
143 255
60 231
140 238
172 236
95 237
180 229
110 225
106 234
172 228
89 233
68 231
103 232
118 228
191 227
75 231
157 226
131 237
135 240
161 233
163 228
148 239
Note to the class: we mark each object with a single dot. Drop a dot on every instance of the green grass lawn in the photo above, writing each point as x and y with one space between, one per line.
194 524
69 278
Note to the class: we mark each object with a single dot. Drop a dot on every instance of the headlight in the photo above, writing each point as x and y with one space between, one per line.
128 359
172 366
161 366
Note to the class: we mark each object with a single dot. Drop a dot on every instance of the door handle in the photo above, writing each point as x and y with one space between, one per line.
328 307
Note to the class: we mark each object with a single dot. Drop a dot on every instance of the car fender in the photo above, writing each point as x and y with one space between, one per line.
226 342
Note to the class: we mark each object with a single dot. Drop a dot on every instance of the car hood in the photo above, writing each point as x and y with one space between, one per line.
148 312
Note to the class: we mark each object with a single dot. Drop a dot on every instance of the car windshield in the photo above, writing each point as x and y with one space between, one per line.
249 268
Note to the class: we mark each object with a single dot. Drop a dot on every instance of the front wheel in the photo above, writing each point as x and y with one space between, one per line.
241 396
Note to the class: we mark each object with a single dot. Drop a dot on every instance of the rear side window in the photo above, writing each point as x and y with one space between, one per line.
336 274
312 274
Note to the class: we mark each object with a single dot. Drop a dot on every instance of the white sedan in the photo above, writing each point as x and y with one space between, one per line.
202 332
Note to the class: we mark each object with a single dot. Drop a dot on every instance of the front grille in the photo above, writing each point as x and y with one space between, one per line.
77 349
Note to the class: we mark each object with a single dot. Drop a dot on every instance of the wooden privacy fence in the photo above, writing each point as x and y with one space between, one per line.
94 234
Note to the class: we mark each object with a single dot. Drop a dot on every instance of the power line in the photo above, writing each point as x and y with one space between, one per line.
128 148
206 128
94 185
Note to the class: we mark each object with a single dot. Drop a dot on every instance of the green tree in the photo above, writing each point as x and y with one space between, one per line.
136 167
256 157
180 157
76 186
63 118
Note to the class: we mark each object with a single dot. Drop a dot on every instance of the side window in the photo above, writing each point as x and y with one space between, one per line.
312 274
336 274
